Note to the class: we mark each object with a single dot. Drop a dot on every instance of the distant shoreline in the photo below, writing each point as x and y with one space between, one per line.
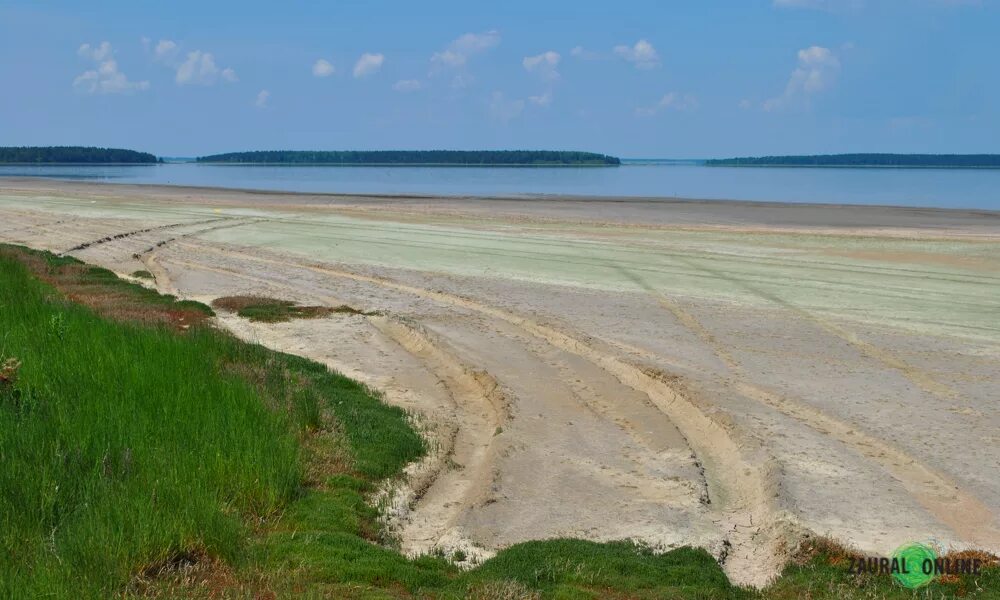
445 164
298 164
84 155
865 160
625 162
790 166
425 158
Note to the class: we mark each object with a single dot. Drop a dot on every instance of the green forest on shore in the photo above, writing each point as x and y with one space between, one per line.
417 157
513 158
72 155
949 161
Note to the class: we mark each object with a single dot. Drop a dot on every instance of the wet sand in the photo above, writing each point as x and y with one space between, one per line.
731 375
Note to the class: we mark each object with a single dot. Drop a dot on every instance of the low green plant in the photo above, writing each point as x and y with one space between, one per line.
274 310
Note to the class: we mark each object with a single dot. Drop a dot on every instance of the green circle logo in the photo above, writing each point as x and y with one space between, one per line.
916 562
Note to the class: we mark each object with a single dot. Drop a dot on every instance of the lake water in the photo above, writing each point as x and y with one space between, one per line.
945 188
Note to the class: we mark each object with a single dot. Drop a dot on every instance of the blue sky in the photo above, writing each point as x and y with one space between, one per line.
633 78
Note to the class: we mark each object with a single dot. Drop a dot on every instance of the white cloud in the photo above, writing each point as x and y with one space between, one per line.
544 65
503 109
368 64
98 53
817 69
105 78
448 58
165 50
584 54
200 69
542 100
470 43
643 55
323 68
458 52
263 97
407 85
671 101
195 68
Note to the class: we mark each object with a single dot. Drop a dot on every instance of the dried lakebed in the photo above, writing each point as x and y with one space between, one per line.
724 375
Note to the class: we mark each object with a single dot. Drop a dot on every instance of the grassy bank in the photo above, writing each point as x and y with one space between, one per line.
145 454
134 437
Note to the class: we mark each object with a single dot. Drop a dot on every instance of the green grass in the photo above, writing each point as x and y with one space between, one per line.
145 454
142 274
125 446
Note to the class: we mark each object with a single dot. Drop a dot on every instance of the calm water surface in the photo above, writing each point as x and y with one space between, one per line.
945 188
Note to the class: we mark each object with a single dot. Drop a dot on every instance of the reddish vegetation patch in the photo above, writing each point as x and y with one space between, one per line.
238 303
834 552
196 575
8 371
106 294
988 560
272 310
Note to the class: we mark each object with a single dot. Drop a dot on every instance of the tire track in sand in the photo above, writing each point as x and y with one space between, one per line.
962 512
230 223
160 276
460 473
915 375
465 476
741 478
127 234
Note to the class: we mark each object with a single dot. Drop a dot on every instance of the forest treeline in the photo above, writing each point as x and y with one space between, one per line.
416 157
969 161
72 154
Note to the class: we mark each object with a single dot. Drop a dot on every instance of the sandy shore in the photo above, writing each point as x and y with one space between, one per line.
724 374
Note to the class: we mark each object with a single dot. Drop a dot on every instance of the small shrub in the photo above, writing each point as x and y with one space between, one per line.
276 310
8 371
58 326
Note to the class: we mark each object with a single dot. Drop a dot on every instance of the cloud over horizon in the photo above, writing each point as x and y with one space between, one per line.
323 68
817 70
544 65
643 55
407 85
368 64
542 100
200 69
670 101
263 97
106 78
462 48
196 68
